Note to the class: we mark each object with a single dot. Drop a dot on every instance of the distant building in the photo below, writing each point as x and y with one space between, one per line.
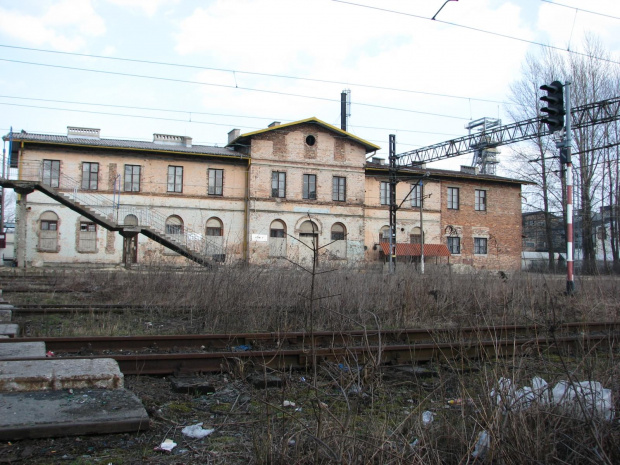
535 236
267 198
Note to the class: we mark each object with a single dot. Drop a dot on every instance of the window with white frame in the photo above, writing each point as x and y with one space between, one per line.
132 178
339 189
51 173
309 186
416 195
278 184
384 193
216 181
453 198
90 175
175 179
480 201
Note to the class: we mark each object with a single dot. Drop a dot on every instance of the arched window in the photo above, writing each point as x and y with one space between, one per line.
277 239
215 239
131 220
339 237
308 235
174 225
48 232
384 234
87 235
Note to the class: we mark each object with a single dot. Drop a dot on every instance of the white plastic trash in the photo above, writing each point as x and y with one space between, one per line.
167 445
482 445
427 417
196 431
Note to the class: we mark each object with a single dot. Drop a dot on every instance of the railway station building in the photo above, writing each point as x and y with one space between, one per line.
268 198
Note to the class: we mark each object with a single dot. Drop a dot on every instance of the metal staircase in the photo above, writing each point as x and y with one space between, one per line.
110 214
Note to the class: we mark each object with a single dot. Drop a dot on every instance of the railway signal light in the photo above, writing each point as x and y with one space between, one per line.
555 106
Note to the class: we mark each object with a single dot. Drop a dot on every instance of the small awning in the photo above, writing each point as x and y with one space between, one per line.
415 250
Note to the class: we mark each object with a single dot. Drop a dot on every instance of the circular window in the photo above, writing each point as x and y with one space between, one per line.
310 140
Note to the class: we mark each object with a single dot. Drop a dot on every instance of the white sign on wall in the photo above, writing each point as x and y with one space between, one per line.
259 238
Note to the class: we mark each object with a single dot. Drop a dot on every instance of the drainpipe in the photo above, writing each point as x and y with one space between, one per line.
246 236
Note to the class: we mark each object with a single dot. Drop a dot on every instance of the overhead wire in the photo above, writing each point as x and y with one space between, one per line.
472 28
227 86
253 73
581 9
191 113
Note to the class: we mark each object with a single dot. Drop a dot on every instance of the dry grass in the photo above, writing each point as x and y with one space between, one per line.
374 414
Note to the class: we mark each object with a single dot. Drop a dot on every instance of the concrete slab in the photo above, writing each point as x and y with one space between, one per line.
5 315
58 413
22 350
54 374
10 330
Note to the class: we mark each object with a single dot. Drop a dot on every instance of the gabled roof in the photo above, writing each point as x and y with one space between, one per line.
243 138
24 136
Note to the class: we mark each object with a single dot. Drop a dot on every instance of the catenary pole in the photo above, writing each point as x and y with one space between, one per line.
393 206
570 282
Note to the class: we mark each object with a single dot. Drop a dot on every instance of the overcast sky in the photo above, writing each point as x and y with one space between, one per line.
245 63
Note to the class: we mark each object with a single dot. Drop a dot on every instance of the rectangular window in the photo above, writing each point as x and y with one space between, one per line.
87 237
454 245
481 200
309 189
175 179
385 193
480 246
415 238
416 198
339 189
278 184
453 198
90 176
132 178
49 225
51 173
216 182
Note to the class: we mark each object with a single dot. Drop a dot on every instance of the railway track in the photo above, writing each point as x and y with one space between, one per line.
214 353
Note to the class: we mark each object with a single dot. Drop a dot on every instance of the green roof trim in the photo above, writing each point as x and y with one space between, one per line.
313 120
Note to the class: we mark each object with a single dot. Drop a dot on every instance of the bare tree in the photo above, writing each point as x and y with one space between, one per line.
592 79
535 160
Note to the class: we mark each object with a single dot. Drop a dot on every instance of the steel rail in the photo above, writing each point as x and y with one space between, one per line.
245 341
353 358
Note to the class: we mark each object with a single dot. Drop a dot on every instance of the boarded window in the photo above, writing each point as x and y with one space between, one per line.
215 239
338 247
87 240
48 234
277 239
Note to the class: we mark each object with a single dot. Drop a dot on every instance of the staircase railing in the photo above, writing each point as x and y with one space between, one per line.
109 207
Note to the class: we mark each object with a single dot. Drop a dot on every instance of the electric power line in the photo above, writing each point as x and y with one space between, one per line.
191 113
580 9
498 34
251 73
227 86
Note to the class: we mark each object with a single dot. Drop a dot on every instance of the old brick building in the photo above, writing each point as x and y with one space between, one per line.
268 196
